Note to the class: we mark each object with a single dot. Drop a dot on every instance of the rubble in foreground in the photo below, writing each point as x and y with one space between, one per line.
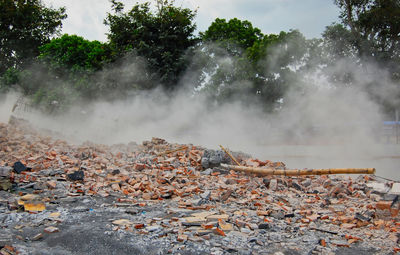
158 198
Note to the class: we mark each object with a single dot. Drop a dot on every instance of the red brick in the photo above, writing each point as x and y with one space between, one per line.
383 205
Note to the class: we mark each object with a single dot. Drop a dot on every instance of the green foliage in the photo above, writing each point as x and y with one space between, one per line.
375 27
234 35
24 26
9 79
74 53
242 63
162 38
339 41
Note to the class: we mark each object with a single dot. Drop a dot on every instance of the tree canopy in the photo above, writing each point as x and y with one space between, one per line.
150 45
74 53
25 25
375 27
162 38
233 34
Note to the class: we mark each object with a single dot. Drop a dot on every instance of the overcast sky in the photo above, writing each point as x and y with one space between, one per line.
85 17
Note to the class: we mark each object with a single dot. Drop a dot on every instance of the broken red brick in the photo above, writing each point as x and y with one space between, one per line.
383 205
139 166
219 232
139 226
182 238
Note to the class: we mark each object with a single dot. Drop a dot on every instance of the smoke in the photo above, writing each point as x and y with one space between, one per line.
319 123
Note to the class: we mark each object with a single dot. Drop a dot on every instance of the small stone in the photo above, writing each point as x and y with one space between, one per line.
225 226
132 211
252 239
215 160
273 185
5 171
218 216
306 183
348 225
203 214
51 184
5 185
37 237
206 195
76 176
51 229
79 209
389 196
375 197
39 186
194 219
55 215
245 230
230 181
116 187
202 232
122 222
153 228
146 196
297 186
205 163
266 181
208 171
18 167
182 238
340 243
115 172
361 217
278 215
263 226
191 224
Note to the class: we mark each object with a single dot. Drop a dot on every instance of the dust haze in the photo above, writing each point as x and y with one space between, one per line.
317 126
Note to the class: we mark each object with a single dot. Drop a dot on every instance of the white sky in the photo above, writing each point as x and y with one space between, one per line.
85 17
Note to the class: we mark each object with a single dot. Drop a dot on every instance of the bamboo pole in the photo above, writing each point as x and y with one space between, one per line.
172 151
296 172
230 155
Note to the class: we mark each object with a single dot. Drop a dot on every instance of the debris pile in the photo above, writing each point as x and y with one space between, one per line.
174 198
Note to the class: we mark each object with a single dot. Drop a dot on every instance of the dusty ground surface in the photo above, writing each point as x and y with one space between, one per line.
159 198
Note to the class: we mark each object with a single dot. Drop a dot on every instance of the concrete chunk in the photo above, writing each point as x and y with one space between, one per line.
378 187
395 189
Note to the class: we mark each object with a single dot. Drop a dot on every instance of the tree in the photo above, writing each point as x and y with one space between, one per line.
339 41
162 38
375 27
74 53
373 30
234 35
24 26
239 62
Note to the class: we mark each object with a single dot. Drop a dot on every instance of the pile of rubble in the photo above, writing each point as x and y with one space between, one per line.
159 198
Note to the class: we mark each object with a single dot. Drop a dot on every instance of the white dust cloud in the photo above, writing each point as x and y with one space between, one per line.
319 125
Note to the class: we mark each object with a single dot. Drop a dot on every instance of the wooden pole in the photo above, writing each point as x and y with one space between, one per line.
297 172
230 155
172 151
